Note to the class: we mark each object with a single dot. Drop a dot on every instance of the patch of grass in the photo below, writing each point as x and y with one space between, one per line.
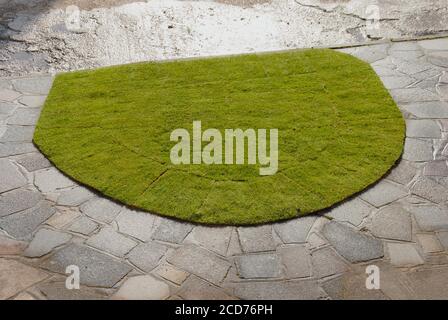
339 132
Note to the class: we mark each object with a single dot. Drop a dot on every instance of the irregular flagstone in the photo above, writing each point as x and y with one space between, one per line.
200 262
413 95
136 224
172 274
430 283
16 276
74 197
370 54
255 239
439 58
44 241
111 241
429 243
353 211
352 245
97 269
383 193
430 217
404 254
422 129
433 109
234 245
15 148
351 286
10 246
16 133
34 161
9 95
295 230
63 217
33 101
436 168
84 226
6 108
24 296
297 261
10 176
171 231
197 289
57 290
434 44
443 238
50 180
327 263
442 91
403 173
417 150
147 256
18 200
24 117
21 225
392 222
262 265
213 238
279 290
101 209
397 82
142 288
429 189
38 85
409 55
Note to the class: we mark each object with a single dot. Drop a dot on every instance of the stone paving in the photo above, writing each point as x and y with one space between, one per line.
48 222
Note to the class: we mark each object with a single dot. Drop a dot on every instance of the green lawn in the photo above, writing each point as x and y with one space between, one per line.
339 132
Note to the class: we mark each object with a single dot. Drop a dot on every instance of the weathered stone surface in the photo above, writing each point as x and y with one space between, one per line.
97 269
442 91
74 197
234 244
383 193
142 288
351 287
296 230
263 265
111 241
200 262
17 134
172 274
443 238
402 173
10 176
15 277
327 263
430 218
44 241
255 239
56 290
429 243
430 283
34 161
10 246
24 296
197 289
24 117
370 54
428 110
413 95
33 101
84 226
352 245
439 58
417 150
22 224
434 44
297 261
51 180
436 168
397 82
215 239
284 290
429 189
392 222
9 95
37 86
101 209
171 231
422 129
352 211
15 148
147 256
63 217
18 200
135 223
6 108
404 254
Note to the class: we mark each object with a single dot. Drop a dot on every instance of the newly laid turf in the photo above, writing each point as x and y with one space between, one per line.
339 132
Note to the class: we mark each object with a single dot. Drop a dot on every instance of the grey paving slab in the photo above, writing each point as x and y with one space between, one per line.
418 150
136 224
403 172
295 230
429 189
44 241
75 196
147 256
279 290
57 290
18 200
195 288
383 193
9 246
436 168
9 95
413 95
21 225
422 129
16 133
404 254
351 286
33 161
84 226
434 44
144 287
430 283
10 176
429 243
428 110
111 241
297 261
215 239
51 180
32 101
260 265
171 231
97 269
392 222
443 238
397 82
171 273
7 108
24 117
37 85
256 239
351 244
430 217
352 211
439 58
200 262
101 209
326 262
15 148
